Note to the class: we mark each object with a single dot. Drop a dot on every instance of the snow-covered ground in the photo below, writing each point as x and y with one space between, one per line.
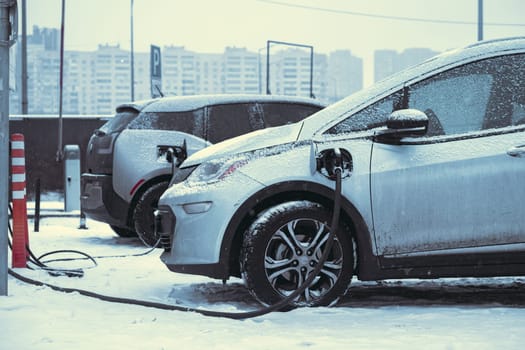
442 314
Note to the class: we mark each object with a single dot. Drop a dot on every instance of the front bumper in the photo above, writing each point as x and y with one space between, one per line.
192 223
100 202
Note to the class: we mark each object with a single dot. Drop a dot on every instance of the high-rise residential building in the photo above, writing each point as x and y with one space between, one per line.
95 82
240 71
345 74
111 77
48 38
209 73
179 71
293 72
43 80
412 56
388 62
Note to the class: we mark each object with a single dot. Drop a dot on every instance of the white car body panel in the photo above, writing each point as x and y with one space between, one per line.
195 240
131 166
436 184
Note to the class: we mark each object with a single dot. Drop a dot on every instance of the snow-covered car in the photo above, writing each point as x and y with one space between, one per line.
126 162
433 162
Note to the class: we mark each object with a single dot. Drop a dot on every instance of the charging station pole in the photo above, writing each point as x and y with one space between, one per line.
8 29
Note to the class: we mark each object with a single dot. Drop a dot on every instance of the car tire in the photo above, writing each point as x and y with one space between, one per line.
143 218
281 248
123 232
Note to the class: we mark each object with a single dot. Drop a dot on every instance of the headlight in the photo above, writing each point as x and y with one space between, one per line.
215 170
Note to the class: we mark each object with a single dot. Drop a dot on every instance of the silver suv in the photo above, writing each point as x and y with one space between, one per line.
126 162
433 164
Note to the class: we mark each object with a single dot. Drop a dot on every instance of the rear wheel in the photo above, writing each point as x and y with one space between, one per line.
143 218
123 232
283 246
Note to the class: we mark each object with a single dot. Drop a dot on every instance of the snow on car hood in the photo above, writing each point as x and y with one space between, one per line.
247 142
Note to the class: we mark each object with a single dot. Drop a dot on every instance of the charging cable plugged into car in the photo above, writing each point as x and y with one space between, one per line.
333 163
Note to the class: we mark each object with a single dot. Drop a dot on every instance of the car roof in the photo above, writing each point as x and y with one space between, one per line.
340 110
189 103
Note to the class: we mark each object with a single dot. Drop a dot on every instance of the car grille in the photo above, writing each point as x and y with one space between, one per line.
165 242
164 227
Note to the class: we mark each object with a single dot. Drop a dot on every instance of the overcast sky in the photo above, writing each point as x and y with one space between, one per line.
361 26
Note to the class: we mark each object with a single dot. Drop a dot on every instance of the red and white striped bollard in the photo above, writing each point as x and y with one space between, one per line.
18 187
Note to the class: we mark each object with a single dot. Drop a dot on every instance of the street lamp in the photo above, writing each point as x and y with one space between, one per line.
480 20
132 57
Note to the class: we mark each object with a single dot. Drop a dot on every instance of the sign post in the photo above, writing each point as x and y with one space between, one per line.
155 72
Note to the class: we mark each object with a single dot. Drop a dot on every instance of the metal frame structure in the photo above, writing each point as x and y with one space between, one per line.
311 48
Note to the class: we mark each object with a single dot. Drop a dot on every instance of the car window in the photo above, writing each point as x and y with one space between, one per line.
229 120
507 103
276 114
459 103
190 122
477 96
370 117
119 121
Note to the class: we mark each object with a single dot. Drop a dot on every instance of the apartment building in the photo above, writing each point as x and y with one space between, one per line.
95 82
345 72
241 71
388 62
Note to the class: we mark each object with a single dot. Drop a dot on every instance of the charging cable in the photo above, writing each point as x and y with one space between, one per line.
337 171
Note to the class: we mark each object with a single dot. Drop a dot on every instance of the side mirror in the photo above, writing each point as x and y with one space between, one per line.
404 123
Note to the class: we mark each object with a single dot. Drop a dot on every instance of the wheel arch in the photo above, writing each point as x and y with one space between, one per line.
285 192
140 191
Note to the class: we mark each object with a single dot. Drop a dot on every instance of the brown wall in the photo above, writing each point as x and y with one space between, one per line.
41 144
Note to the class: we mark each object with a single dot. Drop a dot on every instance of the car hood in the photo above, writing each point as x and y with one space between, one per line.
247 142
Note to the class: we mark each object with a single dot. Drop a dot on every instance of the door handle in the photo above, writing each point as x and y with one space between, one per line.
516 151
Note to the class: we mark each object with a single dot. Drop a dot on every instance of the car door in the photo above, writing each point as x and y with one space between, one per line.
458 190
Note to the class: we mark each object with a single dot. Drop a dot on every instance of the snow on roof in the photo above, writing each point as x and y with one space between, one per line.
188 103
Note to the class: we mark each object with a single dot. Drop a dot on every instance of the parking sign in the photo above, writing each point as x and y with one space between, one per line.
155 72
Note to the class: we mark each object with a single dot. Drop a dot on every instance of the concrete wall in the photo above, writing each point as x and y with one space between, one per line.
41 145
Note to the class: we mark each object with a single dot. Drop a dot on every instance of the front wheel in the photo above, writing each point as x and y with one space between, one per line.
283 246
143 217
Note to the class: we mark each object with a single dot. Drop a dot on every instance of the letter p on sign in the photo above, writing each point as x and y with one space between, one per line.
156 71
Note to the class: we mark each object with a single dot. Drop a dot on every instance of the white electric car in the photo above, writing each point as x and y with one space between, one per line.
433 162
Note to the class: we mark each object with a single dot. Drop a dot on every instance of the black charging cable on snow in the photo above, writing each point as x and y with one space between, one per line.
40 264
337 171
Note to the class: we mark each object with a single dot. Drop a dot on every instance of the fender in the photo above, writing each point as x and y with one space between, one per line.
283 192
143 186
